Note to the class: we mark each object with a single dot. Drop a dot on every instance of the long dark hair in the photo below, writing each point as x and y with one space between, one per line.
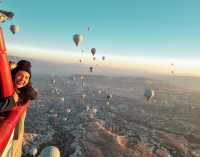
27 92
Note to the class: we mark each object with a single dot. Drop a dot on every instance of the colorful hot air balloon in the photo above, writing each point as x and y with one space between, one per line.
93 51
12 65
78 39
14 29
149 93
103 58
5 15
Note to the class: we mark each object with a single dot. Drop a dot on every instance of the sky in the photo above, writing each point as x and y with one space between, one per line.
144 31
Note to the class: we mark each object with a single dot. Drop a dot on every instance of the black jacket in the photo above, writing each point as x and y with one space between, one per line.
6 103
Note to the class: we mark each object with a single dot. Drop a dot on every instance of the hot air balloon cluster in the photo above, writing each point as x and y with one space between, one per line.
78 39
172 68
7 16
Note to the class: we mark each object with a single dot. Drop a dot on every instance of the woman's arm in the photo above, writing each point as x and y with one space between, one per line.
6 103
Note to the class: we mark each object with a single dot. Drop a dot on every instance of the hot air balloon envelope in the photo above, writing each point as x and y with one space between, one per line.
14 29
50 151
149 93
93 51
78 39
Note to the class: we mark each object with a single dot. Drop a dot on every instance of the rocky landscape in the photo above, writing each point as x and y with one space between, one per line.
74 114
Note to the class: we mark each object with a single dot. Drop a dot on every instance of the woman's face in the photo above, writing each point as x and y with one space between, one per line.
21 79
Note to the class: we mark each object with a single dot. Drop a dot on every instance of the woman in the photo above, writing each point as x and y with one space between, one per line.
21 76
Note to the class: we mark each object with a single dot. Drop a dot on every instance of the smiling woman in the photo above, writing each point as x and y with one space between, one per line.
21 79
21 76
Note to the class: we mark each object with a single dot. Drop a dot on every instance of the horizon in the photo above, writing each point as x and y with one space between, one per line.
151 65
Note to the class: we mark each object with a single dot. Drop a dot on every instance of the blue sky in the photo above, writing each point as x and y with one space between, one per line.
149 28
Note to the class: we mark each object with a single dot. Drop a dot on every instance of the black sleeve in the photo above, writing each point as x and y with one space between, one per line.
6 103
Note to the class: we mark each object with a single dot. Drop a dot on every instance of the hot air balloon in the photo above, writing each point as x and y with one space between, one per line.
62 99
107 103
91 69
12 65
94 110
78 39
68 110
65 119
33 151
94 58
109 96
87 108
83 96
82 81
103 58
80 61
3 18
50 151
99 91
88 29
14 29
93 51
5 15
53 81
149 93
82 77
